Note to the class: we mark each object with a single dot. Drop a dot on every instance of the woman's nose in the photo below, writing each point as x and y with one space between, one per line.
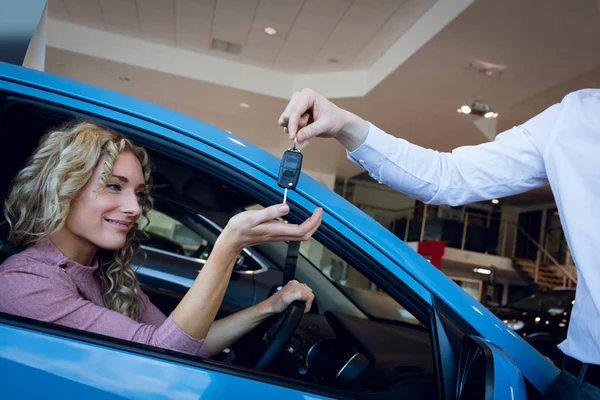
131 205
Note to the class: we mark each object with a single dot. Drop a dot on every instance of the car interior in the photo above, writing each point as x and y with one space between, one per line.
338 348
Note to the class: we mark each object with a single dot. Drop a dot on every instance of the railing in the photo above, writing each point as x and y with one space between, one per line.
472 231
566 272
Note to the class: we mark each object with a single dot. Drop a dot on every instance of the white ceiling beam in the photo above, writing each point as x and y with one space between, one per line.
430 24
168 59
172 60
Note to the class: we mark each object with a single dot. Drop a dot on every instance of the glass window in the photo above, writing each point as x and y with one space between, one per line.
554 302
364 293
167 233
361 291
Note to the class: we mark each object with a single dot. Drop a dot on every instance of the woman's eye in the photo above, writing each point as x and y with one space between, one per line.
114 187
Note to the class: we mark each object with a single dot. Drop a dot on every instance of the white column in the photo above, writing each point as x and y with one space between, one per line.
19 21
35 58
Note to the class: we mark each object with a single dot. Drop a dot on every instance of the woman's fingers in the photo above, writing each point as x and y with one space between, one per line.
280 231
256 227
269 213
295 290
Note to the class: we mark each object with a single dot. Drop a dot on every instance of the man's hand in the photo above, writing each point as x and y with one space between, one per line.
308 115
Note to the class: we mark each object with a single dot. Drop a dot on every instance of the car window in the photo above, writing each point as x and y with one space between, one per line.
169 234
363 293
178 230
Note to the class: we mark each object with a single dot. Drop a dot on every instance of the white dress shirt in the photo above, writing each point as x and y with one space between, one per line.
560 146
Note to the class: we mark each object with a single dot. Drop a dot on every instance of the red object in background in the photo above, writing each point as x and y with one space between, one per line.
433 250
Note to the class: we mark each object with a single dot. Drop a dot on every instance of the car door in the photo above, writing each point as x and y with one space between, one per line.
41 361
395 275
44 360
178 244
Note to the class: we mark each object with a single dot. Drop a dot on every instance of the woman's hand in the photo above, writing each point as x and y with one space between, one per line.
250 228
308 114
291 292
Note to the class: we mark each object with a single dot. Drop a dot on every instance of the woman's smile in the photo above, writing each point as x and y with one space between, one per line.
120 225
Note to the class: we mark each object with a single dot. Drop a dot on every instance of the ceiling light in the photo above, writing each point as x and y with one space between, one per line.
484 271
495 201
476 107
269 30
244 105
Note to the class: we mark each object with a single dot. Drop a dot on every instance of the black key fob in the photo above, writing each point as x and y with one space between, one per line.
289 170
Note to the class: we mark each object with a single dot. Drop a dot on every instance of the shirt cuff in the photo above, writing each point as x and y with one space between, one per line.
372 154
177 340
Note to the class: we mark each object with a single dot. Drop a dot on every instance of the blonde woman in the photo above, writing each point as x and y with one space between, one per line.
75 207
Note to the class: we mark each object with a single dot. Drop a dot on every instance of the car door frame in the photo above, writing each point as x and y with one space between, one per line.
215 161
397 282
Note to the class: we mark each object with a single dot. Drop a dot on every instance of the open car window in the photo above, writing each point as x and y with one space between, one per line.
355 322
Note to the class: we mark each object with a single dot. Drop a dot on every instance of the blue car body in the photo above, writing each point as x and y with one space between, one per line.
43 362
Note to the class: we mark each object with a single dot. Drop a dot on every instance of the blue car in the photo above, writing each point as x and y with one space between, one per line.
418 335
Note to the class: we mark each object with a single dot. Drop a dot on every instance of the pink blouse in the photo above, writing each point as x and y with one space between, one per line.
41 283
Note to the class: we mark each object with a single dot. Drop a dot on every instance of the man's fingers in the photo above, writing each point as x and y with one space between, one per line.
316 128
300 103
303 120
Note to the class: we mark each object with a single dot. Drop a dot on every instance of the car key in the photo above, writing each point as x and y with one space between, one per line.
289 170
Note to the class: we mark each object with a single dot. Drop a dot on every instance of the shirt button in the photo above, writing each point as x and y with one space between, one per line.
361 161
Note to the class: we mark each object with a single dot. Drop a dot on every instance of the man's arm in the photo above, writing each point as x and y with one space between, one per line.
511 164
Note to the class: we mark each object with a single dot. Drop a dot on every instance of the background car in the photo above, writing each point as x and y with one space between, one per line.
456 349
542 319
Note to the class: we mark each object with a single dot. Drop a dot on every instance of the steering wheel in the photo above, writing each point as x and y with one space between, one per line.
287 322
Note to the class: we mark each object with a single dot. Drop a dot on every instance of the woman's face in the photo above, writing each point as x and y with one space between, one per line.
100 217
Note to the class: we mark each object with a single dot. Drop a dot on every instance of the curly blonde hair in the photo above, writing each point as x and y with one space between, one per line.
41 195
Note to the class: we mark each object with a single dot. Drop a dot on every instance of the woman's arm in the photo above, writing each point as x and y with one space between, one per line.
197 310
224 332
37 290
33 289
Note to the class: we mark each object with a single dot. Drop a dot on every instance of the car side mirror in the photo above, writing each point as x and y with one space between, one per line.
244 264
475 371
486 372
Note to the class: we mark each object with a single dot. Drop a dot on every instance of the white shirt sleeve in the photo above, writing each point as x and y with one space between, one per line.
511 164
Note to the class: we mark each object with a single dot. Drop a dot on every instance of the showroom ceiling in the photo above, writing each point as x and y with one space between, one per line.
402 64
